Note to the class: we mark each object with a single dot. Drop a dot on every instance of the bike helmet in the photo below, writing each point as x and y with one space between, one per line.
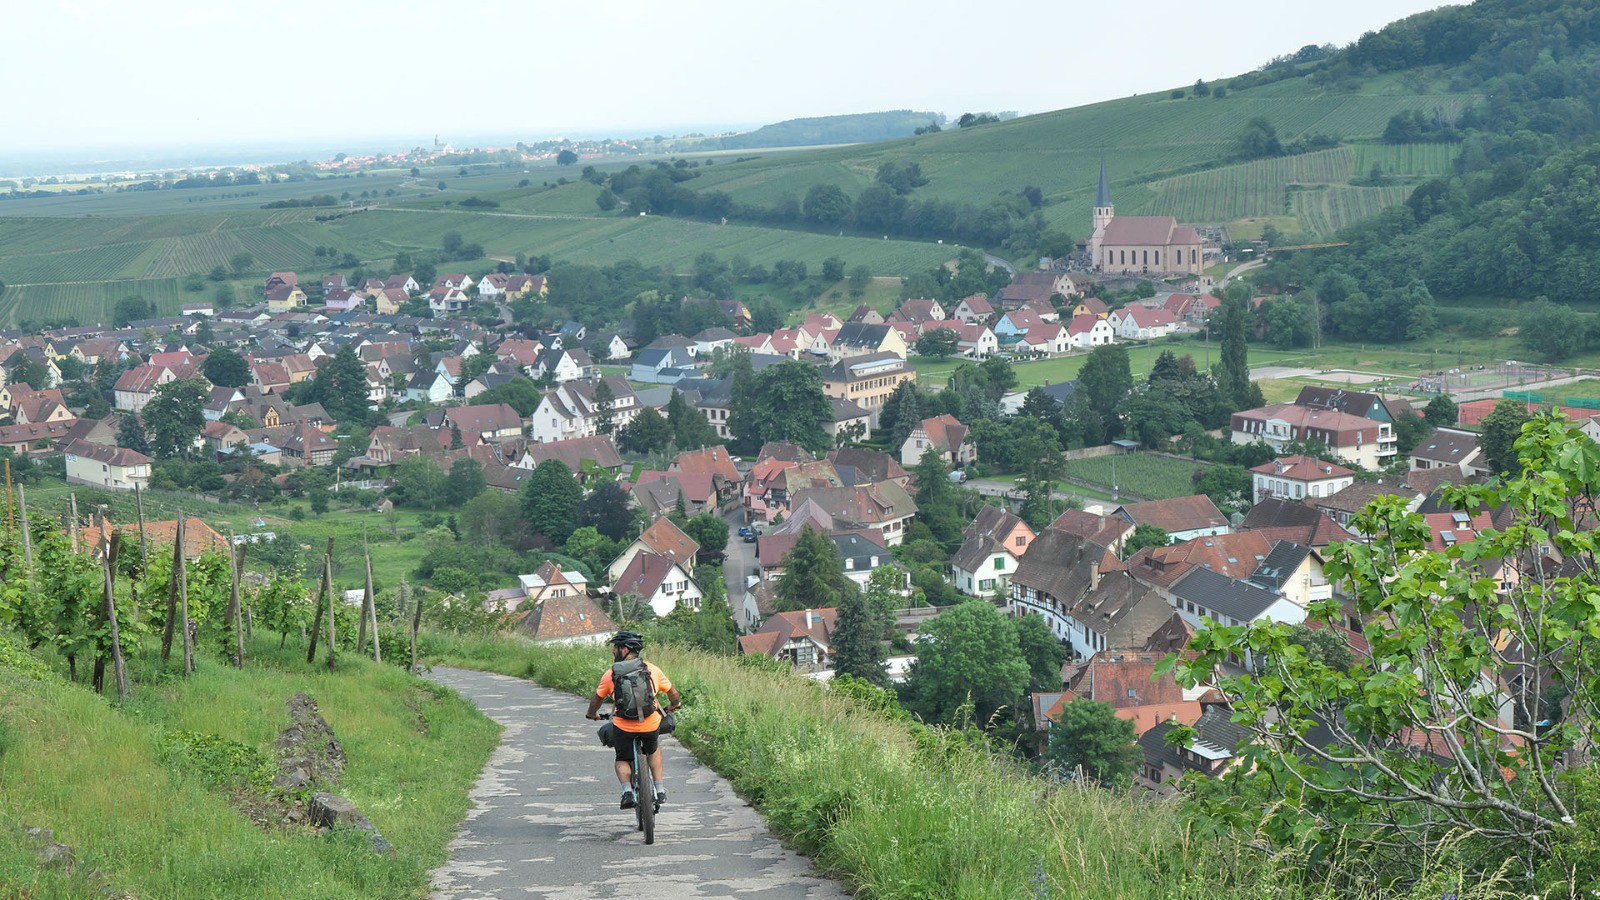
633 640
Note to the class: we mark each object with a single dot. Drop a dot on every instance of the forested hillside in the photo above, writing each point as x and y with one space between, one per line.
1517 214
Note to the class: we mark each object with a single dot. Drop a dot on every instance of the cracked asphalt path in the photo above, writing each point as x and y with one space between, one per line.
545 821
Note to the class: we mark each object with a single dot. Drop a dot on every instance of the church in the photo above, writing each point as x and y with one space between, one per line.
1130 245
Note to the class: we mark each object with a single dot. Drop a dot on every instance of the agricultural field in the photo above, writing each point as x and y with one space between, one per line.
1323 212
99 264
91 301
1311 189
1146 475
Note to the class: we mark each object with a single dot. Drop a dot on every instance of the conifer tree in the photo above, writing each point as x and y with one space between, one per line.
814 575
605 408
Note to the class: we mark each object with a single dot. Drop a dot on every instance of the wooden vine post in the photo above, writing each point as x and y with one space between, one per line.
72 519
27 538
144 553
416 619
180 574
235 620
322 601
172 592
327 581
369 608
118 667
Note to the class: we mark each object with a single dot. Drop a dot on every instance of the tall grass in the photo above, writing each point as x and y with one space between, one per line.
899 810
94 772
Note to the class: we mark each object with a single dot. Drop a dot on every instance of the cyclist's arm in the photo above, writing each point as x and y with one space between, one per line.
594 706
673 698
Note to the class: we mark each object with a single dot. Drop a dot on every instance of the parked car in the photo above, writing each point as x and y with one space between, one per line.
958 476
749 536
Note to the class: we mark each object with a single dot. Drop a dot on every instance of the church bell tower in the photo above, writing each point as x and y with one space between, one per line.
1103 212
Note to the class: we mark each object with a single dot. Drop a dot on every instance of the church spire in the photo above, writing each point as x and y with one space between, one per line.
1102 197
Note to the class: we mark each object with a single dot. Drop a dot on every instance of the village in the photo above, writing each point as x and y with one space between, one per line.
444 391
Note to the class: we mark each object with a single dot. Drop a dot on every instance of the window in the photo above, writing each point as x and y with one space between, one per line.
1022 539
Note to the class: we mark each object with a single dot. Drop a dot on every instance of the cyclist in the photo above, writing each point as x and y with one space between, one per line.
626 645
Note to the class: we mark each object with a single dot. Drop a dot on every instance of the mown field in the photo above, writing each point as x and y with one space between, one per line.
1037 373
1148 476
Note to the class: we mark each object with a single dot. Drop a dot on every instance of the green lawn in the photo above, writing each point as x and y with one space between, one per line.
1149 476
1037 373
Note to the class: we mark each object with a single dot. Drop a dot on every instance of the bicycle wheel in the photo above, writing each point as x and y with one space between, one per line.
638 809
647 799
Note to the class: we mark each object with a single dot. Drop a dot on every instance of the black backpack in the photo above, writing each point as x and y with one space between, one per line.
632 690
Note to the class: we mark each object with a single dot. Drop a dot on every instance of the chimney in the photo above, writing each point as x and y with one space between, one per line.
808 619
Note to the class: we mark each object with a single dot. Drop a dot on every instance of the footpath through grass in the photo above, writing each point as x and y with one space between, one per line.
102 775
898 809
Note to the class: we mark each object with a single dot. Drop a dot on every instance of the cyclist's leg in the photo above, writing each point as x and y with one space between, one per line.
624 763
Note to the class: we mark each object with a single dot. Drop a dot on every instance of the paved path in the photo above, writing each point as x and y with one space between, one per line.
545 821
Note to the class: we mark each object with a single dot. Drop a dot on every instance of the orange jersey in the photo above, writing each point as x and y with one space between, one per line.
662 683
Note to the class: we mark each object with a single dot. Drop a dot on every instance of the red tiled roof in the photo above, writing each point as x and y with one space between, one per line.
1176 514
783 627
1302 468
667 539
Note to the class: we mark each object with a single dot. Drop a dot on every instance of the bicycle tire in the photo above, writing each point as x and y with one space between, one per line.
638 810
647 797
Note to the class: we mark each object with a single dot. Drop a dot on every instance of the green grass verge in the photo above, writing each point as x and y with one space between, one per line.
94 772
898 809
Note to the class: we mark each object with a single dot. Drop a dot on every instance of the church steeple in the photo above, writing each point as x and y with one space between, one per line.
1104 212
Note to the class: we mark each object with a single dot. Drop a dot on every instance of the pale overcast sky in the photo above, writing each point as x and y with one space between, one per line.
114 73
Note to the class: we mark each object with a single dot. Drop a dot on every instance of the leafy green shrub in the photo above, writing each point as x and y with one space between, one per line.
15 657
220 762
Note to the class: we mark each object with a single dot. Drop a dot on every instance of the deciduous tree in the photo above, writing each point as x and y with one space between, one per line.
710 531
970 651
1500 429
174 416
1105 381
1437 736
607 510
1088 734
550 500
813 577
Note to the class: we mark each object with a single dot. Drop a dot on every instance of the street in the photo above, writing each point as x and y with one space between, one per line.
740 559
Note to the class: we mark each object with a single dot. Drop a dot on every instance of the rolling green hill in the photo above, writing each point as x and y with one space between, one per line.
75 255
1147 141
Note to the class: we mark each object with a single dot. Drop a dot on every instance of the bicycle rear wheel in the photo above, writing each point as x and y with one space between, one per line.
647 798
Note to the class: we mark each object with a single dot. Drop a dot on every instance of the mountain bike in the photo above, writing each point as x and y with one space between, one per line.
644 788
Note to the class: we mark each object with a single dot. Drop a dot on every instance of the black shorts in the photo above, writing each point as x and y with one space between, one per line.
648 742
